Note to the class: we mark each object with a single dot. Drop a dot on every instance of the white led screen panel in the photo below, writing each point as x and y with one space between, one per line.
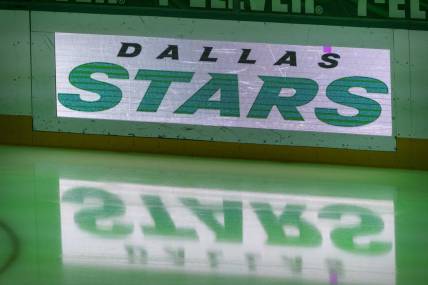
321 89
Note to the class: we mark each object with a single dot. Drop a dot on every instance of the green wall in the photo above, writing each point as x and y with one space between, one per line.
15 78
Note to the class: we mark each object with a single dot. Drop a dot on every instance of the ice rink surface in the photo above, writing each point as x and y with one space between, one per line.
92 217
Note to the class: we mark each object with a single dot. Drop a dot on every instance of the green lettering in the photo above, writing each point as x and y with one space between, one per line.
368 109
343 237
109 94
228 104
232 213
159 85
164 225
112 207
308 235
306 90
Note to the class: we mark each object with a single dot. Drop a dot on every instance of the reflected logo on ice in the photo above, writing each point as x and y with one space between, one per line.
308 238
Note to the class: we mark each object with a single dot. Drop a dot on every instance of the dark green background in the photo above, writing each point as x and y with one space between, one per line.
333 12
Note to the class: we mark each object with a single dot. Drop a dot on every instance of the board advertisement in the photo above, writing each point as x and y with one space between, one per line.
223 84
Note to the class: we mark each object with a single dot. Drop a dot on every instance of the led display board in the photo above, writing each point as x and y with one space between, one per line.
223 84
299 238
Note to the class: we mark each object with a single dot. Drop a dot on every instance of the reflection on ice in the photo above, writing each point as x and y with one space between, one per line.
309 238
